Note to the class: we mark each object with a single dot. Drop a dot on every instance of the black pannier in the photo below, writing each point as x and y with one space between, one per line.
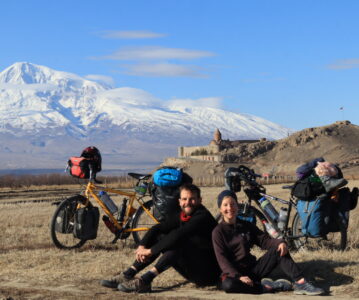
64 220
86 223
166 198
339 210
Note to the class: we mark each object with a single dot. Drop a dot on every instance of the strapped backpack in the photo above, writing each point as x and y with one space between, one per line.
165 191
89 160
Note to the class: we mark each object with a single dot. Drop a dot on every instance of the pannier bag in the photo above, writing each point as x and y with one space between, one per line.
89 160
324 215
166 198
347 200
64 220
313 215
86 223
167 177
339 209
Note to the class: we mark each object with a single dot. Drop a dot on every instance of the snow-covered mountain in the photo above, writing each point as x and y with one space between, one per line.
51 115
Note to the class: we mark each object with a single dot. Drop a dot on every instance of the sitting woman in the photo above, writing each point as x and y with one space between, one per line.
241 271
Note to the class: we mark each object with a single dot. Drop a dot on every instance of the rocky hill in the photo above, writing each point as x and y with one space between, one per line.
337 143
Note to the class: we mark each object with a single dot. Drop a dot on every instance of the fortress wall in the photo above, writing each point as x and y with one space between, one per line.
188 151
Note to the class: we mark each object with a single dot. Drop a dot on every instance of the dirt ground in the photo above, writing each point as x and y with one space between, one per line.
31 267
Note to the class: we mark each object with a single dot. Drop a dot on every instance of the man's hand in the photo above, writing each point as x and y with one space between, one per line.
246 280
142 253
283 249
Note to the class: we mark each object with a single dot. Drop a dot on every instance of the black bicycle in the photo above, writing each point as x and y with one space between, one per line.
278 224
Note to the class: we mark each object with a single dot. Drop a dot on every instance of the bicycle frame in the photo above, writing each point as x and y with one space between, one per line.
91 188
290 203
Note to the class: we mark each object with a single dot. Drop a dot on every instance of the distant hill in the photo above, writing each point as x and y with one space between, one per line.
337 143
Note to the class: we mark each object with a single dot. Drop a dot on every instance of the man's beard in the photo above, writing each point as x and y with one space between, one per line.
186 212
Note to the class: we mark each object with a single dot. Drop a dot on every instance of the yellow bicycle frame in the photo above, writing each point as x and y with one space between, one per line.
91 188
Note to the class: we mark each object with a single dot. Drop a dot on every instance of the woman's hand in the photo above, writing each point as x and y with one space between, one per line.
283 249
142 253
246 280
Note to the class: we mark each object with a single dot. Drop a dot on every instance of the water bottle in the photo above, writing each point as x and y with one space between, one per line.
282 219
269 209
272 231
105 198
109 224
141 189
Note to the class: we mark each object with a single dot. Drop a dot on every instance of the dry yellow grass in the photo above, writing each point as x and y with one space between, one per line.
32 268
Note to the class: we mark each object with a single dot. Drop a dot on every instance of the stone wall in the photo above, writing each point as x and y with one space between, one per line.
210 150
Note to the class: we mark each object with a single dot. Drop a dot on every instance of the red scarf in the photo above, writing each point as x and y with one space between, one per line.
183 217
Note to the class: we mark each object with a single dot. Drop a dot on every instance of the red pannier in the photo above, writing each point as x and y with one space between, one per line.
79 167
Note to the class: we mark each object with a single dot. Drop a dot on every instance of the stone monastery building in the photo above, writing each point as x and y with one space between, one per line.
212 152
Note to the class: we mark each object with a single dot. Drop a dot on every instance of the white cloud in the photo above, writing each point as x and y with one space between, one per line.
164 70
344 64
214 102
156 53
130 34
101 78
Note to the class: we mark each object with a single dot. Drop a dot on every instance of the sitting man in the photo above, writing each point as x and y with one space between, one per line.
185 243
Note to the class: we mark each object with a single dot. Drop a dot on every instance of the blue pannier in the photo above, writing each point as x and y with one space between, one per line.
313 215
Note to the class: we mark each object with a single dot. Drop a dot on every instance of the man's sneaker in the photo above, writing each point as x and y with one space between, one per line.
114 281
307 288
134 285
278 285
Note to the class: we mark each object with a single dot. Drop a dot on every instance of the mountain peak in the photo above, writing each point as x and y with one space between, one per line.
25 73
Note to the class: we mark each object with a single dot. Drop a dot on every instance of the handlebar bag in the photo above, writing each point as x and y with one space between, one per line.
86 223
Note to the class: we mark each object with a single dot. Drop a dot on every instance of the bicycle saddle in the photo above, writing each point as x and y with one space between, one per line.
140 176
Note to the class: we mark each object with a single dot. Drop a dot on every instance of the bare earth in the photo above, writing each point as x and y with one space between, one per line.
32 268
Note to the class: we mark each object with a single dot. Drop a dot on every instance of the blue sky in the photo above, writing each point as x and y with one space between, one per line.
295 63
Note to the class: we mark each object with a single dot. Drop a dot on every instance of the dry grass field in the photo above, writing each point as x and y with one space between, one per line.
32 268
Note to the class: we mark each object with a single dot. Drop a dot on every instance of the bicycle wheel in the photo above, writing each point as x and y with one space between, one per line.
62 224
142 219
332 240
